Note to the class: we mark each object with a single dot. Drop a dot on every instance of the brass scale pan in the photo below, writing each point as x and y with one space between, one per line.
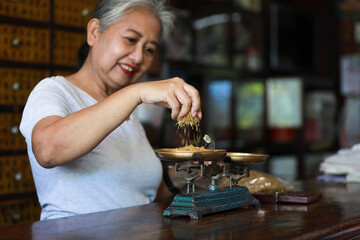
176 155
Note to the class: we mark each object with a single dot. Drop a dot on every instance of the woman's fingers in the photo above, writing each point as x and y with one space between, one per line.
195 103
174 105
175 94
185 101
189 99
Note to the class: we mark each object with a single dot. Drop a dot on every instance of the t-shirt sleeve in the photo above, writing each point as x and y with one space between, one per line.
45 100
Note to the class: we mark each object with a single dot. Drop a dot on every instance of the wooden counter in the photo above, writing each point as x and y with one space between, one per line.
335 216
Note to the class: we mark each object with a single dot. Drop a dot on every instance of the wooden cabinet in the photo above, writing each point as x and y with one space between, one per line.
73 13
24 44
11 138
34 10
17 83
66 45
15 175
38 38
20 210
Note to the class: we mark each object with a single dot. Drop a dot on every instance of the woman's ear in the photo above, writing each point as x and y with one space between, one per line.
93 31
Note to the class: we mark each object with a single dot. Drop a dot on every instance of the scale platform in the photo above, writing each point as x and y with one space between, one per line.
213 165
195 205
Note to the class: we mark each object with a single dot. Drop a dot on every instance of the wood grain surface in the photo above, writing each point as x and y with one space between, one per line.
335 215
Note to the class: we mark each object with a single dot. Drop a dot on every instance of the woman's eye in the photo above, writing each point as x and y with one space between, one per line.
150 50
131 40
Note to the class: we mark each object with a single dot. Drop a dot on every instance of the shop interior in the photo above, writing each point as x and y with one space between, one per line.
276 77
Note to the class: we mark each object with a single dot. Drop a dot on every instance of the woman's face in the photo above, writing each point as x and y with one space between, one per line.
122 53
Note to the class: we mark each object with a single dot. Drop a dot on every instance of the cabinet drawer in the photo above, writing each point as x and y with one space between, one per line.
73 13
20 211
15 175
10 136
37 10
66 46
24 44
17 83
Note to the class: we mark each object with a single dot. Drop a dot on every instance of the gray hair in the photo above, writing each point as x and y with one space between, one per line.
110 11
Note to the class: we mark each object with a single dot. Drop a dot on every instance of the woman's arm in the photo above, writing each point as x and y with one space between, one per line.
59 140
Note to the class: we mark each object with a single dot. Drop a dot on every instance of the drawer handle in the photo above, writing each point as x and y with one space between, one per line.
16 42
14 130
18 177
17 217
15 0
16 86
85 12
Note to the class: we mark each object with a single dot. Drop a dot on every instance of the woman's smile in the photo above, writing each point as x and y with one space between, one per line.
128 69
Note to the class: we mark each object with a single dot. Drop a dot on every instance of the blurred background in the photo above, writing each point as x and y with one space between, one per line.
280 77
276 76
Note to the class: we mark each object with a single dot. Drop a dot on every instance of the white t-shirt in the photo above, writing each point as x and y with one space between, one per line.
122 171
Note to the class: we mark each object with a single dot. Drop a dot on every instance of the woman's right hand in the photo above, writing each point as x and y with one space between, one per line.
172 93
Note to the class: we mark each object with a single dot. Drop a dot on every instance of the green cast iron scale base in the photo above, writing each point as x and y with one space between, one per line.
195 205
191 165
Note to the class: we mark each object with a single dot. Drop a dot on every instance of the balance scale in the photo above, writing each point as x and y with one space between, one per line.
212 164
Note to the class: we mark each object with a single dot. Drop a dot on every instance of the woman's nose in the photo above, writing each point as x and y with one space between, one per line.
137 54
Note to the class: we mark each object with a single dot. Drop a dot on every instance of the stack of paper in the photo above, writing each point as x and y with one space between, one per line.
346 163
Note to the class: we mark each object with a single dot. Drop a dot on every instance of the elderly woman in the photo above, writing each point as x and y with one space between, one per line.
88 152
